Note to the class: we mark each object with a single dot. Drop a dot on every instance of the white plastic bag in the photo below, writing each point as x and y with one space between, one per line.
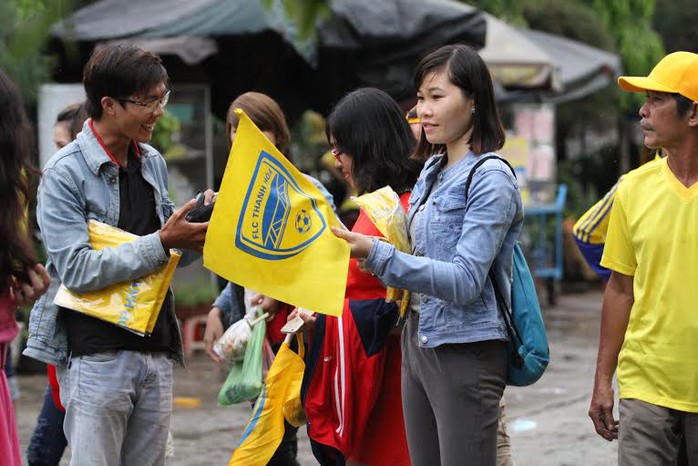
231 345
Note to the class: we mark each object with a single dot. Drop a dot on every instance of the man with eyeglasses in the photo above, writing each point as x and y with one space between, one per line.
116 386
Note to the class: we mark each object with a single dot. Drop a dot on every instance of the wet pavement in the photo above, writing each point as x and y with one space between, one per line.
548 423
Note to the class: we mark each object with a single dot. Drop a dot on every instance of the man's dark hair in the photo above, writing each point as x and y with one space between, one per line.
120 71
683 104
370 127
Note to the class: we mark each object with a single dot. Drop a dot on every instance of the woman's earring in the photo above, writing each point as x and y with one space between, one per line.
473 110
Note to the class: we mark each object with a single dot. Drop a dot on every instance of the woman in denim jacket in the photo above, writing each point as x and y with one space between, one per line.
453 344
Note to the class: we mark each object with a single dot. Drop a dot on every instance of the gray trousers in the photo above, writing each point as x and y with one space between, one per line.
651 434
450 399
117 408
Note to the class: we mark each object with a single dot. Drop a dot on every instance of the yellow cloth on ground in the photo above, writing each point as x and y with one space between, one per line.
133 305
280 398
653 236
270 229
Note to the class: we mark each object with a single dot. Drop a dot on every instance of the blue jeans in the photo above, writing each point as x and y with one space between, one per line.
118 406
48 441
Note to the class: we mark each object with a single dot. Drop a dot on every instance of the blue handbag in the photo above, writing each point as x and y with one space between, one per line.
528 352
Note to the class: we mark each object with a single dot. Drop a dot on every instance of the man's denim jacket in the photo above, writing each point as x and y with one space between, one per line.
455 245
80 183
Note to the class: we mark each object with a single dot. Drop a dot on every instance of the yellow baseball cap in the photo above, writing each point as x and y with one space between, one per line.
676 73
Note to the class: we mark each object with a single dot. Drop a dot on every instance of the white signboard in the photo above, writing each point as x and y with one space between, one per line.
52 99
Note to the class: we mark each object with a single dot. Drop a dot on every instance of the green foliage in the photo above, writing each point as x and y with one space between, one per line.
194 294
571 19
165 128
639 45
308 141
675 21
24 30
510 11
305 14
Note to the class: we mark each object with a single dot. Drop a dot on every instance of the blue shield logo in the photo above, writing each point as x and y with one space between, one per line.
278 219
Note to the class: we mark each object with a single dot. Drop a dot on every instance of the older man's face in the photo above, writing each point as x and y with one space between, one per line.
661 124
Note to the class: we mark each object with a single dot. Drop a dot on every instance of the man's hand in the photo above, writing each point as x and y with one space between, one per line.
360 245
601 411
214 330
615 313
270 305
180 234
24 293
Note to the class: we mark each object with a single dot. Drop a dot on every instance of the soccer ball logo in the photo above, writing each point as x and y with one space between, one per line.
303 222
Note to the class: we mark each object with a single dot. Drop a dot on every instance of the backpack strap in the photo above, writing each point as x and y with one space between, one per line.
512 331
477 165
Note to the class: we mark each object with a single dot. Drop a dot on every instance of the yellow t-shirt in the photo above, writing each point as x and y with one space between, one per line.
653 236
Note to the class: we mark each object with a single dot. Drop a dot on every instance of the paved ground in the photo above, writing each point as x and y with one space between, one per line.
547 422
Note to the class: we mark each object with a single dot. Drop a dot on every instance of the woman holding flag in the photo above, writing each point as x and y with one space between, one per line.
229 307
453 344
351 388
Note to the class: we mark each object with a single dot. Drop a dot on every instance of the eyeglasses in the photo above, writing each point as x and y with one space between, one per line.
336 152
152 104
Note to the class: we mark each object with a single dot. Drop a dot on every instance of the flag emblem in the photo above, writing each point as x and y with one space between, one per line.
279 219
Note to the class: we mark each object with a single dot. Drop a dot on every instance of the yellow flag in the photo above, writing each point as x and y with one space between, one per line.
270 229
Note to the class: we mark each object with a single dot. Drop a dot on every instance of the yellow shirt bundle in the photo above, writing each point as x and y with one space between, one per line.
133 305
384 209
653 236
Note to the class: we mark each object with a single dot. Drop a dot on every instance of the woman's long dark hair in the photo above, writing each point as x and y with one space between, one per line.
370 127
16 144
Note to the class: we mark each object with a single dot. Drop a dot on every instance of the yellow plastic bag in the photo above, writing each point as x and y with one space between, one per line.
265 429
294 413
133 305
384 209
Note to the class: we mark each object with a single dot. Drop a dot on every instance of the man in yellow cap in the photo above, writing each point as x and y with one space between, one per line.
649 324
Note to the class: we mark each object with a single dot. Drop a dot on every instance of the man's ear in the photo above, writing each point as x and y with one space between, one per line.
109 105
693 115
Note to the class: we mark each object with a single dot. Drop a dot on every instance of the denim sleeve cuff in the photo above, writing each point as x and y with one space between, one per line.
378 255
154 251
222 303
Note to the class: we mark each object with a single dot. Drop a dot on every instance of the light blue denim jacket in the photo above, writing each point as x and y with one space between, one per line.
455 247
80 183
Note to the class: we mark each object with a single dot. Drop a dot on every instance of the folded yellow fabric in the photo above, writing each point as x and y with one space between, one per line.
133 305
385 211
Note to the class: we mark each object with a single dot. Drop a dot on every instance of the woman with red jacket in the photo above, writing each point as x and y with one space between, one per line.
351 388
